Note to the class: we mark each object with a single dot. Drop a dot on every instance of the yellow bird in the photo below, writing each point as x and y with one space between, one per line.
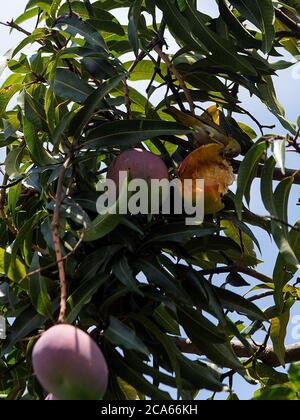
206 132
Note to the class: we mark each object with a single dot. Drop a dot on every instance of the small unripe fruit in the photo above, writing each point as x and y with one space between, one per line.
140 164
69 364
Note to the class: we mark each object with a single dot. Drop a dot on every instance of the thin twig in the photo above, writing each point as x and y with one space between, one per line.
66 257
70 7
178 76
12 184
127 99
57 243
13 25
261 296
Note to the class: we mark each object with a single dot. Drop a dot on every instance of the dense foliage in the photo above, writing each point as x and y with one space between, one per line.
140 283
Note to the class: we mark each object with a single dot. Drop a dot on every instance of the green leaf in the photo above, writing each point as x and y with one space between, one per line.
200 375
38 290
133 17
123 272
205 328
166 320
101 226
128 133
34 113
180 25
242 34
267 94
221 354
69 85
15 271
144 71
6 94
25 324
220 48
279 153
283 273
277 205
74 25
107 222
234 302
157 275
13 161
136 379
26 229
121 335
267 185
83 295
278 334
167 344
39 155
84 115
247 173
262 14
179 232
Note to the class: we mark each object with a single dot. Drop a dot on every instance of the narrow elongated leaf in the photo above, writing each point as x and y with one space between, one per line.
180 233
235 302
28 322
35 145
38 290
278 334
180 25
68 85
168 345
83 295
136 379
262 14
247 173
123 272
6 94
121 335
107 222
92 102
74 25
128 133
220 48
221 354
206 329
134 16
15 271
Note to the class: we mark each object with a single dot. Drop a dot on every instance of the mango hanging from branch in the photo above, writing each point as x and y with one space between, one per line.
207 163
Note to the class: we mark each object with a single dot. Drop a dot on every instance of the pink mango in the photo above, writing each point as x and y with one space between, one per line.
69 364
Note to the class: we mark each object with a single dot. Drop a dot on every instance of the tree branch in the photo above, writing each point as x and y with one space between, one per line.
267 356
278 175
56 241
235 269
178 76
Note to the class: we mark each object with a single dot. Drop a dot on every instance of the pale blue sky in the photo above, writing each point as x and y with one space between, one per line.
288 90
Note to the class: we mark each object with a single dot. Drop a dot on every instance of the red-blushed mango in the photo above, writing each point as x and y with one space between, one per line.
69 364
51 397
139 164
207 163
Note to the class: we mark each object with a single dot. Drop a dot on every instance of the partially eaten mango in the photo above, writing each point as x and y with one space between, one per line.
207 163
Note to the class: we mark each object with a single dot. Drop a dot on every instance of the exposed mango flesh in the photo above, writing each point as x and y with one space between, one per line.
207 163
